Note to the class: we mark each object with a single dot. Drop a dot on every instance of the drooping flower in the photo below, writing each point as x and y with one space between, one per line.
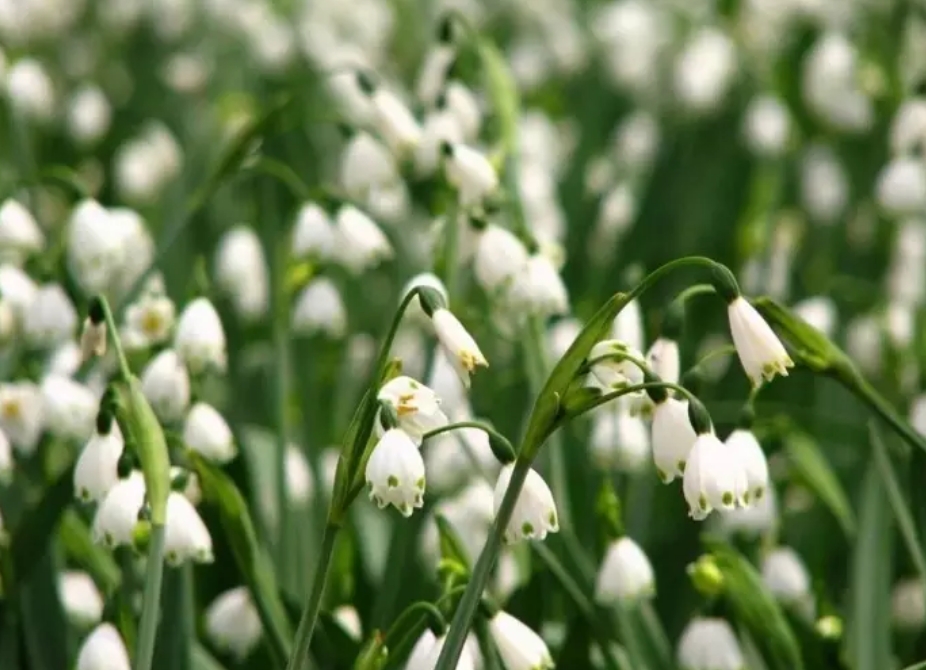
186 537
103 650
752 459
313 234
786 577
619 440
499 257
166 384
200 338
711 477
359 244
97 468
417 406
519 646
462 351
80 598
709 644
395 473
908 604
470 172
534 512
241 272
625 574
540 289
117 515
21 415
206 432
673 438
761 353
615 365
319 308
232 622
50 319
20 234
68 408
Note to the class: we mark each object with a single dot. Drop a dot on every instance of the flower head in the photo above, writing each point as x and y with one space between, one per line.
709 644
200 338
149 320
68 407
80 598
117 515
394 121
462 351
534 512
499 258
232 622
313 234
673 438
166 385
540 289
21 415
395 473
760 351
619 440
50 318
625 574
359 244
20 235
519 646
417 406
185 535
748 451
711 477
320 309
103 650
615 365
97 469
786 576
470 172
241 272
206 432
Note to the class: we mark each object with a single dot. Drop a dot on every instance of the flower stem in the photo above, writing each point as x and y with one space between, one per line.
494 434
154 571
300 658
459 627
124 370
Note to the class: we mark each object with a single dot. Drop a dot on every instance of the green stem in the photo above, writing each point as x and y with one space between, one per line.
420 607
866 393
154 571
608 397
494 434
393 329
300 658
663 270
693 292
124 371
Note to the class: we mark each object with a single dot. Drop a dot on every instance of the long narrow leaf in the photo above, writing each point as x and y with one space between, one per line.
813 468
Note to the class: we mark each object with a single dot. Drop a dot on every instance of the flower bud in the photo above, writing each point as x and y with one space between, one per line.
97 468
519 646
709 644
80 598
200 338
186 536
20 234
206 432
320 309
103 650
232 622
534 513
117 515
166 385
625 574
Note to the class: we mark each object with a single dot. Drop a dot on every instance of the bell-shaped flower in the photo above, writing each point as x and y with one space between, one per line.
462 351
18 289
419 654
319 308
499 258
21 415
462 103
761 353
313 234
50 319
561 335
663 359
97 468
241 272
540 289
138 248
367 166
417 406
80 598
619 440
117 515
534 512
440 127
464 662
519 646
760 518
186 537
395 473
470 172
908 605
711 477
95 253
673 438
415 313
149 320
206 432
394 121
200 338
786 577
68 407
166 384
348 619
752 459
103 650
359 244
20 234
232 622
625 574
709 644
615 365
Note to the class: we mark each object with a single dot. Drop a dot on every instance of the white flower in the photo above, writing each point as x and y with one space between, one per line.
144 165
68 408
824 184
709 644
103 650
96 471
241 272
95 250
673 438
499 258
429 662
200 338
232 622
540 289
901 187
166 385
786 576
30 90
138 248
18 289
625 574
80 598
619 440
711 478
705 70
908 604
88 114
819 312
367 167
628 326
437 61
7 320
359 244
534 512
206 432
185 535
6 459
313 234
349 620
416 405
470 172
418 657
519 646
766 126
68 356
613 365
117 515
20 235
460 101
908 127
149 320
51 318
440 127
663 358
761 353
299 482
463 352
757 519
394 121
21 410
395 473
320 309
743 445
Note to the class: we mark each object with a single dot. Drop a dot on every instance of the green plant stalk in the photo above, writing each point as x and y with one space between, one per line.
124 370
300 657
491 432
154 572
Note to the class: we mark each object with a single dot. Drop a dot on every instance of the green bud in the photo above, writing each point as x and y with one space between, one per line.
699 417
365 82
96 312
829 627
747 417
126 464
388 417
374 654
657 394
706 576
431 300
141 535
180 481
501 448
104 419
724 283
608 507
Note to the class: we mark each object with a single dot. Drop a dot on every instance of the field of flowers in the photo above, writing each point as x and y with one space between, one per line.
474 334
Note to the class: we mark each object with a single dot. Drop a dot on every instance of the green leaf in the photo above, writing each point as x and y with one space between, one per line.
30 538
869 622
173 648
503 93
251 557
757 609
79 546
917 666
898 501
43 622
203 660
547 405
813 468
